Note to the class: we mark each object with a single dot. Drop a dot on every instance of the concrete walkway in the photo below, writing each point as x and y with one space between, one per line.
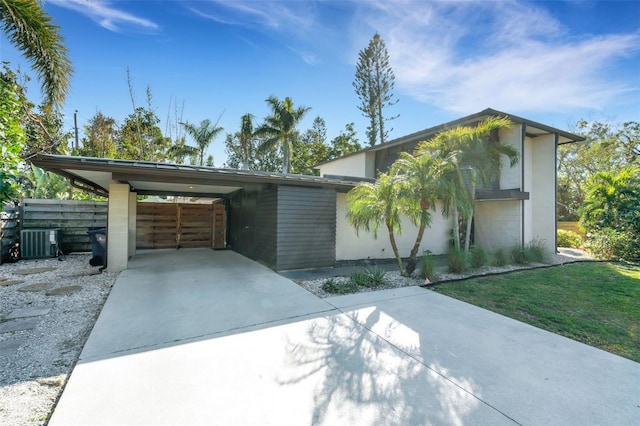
209 337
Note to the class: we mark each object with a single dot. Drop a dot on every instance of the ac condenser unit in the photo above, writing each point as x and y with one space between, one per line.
39 243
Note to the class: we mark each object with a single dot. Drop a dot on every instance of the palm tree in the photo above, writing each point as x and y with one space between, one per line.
280 127
422 180
371 204
31 31
611 198
202 135
245 137
477 155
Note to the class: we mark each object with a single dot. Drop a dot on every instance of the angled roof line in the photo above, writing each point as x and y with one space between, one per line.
426 133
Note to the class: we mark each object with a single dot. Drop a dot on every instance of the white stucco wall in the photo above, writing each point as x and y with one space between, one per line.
528 187
497 223
352 246
542 220
510 177
357 165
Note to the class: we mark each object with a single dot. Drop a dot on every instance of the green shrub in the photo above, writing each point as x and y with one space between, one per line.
457 260
501 257
427 267
536 252
370 277
519 254
569 239
610 243
337 287
478 257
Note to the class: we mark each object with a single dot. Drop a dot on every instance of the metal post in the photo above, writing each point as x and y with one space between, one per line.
75 124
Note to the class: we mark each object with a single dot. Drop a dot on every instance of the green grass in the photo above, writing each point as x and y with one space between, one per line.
594 303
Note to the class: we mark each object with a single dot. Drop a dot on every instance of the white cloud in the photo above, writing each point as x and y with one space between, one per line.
466 56
281 16
106 15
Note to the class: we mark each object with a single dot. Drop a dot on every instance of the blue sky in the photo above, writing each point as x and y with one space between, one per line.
553 62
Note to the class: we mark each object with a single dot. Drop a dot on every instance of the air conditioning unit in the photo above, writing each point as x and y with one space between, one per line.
40 243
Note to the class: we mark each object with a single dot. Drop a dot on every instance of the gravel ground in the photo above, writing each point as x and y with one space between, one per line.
34 363
393 279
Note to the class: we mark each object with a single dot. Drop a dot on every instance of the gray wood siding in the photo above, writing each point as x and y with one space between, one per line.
242 218
306 227
266 233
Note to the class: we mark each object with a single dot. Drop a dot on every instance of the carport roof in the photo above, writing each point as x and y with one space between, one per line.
149 178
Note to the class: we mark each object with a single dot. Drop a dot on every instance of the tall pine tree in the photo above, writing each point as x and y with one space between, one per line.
374 82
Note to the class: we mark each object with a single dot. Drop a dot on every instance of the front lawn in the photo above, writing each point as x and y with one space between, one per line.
594 303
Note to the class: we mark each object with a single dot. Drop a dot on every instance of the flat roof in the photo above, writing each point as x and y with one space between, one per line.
151 178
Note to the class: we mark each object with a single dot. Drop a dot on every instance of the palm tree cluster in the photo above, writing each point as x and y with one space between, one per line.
446 167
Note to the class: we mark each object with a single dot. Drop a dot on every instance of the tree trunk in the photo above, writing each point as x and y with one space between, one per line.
412 262
392 239
456 226
467 237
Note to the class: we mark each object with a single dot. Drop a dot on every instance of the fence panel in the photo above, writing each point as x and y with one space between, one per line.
75 218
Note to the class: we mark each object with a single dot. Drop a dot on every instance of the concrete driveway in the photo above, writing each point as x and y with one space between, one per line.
209 337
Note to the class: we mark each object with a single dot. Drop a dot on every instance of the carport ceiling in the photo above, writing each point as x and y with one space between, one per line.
148 178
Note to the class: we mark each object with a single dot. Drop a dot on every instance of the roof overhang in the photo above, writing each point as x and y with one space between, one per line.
149 178
533 130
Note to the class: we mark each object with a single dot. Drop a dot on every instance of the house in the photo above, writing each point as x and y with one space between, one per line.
518 208
294 221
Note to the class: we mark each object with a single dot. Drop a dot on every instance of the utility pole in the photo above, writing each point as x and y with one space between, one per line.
75 124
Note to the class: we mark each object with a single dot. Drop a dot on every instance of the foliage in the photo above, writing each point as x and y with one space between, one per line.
607 148
536 252
47 185
374 83
476 155
101 137
519 254
140 138
427 267
569 239
44 130
609 243
586 301
478 257
202 135
32 32
421 180
310 149
11 133
501 256
267 160
334 286
345 143
457 260
611 214
279 128
369 277
370 205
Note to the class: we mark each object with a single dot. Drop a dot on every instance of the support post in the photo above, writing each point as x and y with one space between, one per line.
118 227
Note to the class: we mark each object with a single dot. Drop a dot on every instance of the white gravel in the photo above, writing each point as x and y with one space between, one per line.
33 373
393 279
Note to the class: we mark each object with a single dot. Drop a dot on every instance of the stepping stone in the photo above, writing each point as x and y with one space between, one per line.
19 325
7 283
9 347
35 287
34 311
31 271
63 290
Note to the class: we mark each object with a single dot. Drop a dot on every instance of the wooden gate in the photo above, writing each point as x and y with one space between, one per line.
172 225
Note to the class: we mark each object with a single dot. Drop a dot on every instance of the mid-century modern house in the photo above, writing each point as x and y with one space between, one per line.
295 221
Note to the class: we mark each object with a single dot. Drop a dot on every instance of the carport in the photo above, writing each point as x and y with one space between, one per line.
285 221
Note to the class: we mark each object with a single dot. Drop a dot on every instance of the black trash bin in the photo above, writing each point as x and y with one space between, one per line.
98 239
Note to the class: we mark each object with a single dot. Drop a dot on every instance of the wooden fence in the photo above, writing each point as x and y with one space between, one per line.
75 218
9 231
572 226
